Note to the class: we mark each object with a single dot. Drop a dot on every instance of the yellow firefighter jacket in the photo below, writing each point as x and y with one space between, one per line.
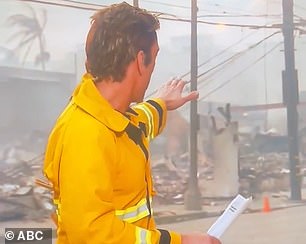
97 160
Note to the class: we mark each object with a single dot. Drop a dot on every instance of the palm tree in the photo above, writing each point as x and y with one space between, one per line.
31 29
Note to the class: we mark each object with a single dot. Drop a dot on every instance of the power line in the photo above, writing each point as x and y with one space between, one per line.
218 5
225 14
207 61
225 62
241 72
298 17
221 52
237 55
274 26
86 6
240 15
69 4
217 71
166 4
220 67
78 2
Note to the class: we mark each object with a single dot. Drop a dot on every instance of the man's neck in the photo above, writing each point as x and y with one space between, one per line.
116 93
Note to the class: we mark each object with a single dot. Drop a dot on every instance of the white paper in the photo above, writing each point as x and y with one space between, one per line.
233 210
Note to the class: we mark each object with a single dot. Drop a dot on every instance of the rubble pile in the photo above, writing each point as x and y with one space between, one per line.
170 183
258 173
171 178
264 173
20 197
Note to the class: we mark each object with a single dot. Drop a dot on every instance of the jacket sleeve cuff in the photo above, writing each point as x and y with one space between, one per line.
169 237
175 238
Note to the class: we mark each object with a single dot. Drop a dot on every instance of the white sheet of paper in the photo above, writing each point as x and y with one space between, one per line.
232 211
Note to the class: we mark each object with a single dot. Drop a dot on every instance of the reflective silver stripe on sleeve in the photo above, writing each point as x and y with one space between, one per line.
134 213
143 236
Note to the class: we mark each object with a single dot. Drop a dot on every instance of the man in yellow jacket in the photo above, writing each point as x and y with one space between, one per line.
97 156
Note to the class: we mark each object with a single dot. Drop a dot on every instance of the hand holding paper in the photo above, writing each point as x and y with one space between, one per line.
233 210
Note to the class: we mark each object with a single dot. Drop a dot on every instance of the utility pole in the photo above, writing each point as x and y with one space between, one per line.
291 98
192 197
135 3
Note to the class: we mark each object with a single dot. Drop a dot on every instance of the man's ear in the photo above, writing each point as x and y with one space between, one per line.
140 62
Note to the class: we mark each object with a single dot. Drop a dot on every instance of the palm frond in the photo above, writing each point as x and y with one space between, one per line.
30 28
26 41
29 41
34 15
27 52
44 19
21 34
17 19
24 22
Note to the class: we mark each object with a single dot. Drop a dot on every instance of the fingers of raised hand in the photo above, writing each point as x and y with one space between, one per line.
181 84
191 96
176 82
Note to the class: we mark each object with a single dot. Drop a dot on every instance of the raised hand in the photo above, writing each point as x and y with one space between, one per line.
171 93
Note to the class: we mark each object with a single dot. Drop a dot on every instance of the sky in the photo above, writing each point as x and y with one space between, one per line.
66 31
67 27
57 28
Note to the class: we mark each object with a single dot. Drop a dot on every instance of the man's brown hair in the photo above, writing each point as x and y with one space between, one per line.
116 35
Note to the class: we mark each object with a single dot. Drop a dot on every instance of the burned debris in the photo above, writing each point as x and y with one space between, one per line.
20 197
